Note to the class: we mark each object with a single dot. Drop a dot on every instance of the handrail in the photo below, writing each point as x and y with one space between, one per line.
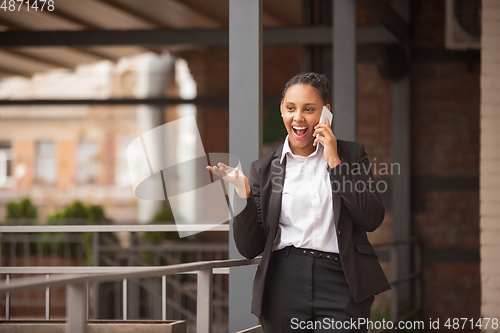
77 293
85 270
416 275
114 228
28 284
397 242
205 270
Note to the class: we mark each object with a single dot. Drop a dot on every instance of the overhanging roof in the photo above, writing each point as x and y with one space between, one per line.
125 15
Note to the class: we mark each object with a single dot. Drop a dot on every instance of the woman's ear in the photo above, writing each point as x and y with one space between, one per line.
281 108
328 107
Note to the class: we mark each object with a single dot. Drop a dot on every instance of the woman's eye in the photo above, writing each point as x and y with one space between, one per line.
290 108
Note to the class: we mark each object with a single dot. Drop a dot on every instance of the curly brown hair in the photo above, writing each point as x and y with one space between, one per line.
317 81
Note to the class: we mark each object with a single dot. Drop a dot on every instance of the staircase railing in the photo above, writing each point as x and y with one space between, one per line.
77 282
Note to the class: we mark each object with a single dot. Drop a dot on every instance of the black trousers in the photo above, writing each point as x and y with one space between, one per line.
309 294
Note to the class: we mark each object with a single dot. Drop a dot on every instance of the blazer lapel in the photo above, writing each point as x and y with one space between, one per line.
277 181
337 199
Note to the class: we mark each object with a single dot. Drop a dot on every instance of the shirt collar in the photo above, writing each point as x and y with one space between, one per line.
287 149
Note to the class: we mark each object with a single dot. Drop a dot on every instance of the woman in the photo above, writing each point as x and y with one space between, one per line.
307 208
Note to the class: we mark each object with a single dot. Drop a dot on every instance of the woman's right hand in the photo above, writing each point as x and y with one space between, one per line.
233 176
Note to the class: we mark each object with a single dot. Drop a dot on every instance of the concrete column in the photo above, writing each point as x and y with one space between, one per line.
152 74
344 69
489 178
245 132
401 147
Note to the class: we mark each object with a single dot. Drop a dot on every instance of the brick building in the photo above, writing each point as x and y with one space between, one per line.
445 103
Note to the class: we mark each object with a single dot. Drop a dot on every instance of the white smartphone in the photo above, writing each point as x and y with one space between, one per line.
325 114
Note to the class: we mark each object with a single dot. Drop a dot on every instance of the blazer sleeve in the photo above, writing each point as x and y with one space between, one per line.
248 229
355 184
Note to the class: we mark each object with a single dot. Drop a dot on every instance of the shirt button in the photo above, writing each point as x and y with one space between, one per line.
317 217
314 196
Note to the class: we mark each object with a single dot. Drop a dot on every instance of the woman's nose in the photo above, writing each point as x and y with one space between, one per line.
299 115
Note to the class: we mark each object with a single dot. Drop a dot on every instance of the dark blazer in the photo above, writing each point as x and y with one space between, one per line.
256 228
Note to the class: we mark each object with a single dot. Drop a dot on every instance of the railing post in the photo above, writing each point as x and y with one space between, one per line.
418 268
164 297
124 296
204 302
96 258
76 308
1 254
47 299
88 301
394 288
7 298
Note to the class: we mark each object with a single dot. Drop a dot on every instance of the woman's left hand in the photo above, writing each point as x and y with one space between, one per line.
329 142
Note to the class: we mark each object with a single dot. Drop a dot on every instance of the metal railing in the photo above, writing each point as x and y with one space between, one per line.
30 246
77 286
35 250
205 270
396 280
51 270
48 271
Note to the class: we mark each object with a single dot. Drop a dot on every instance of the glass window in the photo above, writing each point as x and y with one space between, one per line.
46 167
6 179
88 162
122 176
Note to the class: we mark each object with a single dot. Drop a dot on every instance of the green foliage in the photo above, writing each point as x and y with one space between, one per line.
20 213
21 210
77 212
273 127
164 216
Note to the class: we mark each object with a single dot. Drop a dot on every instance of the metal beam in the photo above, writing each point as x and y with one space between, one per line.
245 132
201 101
15 26
389 17
292 35
344 69
91 26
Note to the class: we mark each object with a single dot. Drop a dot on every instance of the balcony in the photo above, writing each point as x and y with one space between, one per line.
77 281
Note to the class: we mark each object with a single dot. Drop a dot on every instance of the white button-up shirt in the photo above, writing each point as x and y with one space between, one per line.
307 217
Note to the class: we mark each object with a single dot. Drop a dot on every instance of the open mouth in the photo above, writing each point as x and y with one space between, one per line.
299 131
